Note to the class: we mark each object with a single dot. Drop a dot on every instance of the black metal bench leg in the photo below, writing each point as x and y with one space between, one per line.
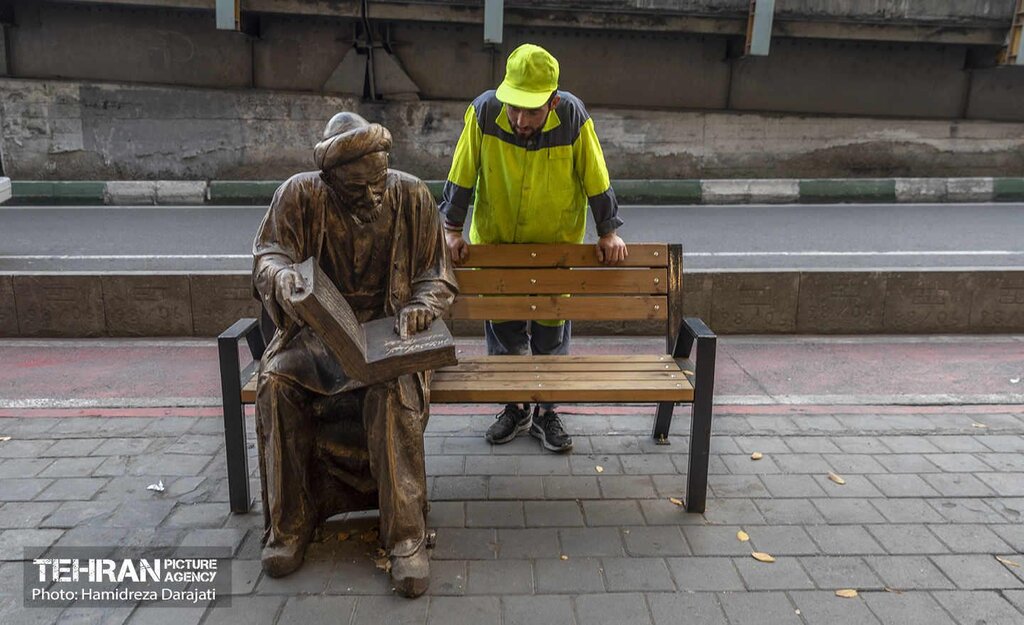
700 425
663 422
700 454
234 426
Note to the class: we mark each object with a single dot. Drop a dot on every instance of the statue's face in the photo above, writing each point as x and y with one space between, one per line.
361 183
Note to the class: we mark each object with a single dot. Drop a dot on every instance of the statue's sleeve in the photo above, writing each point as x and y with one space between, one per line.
433 282
278 244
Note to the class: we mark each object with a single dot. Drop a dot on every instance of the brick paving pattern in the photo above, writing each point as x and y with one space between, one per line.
525 536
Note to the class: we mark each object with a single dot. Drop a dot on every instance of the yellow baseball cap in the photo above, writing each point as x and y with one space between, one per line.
531 76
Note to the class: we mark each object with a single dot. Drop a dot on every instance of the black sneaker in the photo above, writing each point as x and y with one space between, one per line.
510 422
548 428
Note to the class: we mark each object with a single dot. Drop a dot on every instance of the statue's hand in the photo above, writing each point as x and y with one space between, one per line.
287 284
412 319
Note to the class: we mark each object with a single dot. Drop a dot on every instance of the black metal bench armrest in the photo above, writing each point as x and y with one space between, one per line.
693 329
232 379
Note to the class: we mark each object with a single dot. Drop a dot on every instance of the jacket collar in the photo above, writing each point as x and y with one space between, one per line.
552 122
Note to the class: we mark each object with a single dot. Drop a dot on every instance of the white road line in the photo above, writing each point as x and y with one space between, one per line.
688 254
123 343
127 257
890 253
110 402
723 400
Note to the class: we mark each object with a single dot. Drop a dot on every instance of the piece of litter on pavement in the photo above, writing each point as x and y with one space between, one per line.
158 487
1014 380
4 439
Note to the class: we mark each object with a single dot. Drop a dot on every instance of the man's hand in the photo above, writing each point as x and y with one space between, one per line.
457 246
413 319
288 283
611 249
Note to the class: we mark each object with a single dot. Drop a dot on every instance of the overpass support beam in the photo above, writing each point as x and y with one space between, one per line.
494 21
1013 54
229 14
759 27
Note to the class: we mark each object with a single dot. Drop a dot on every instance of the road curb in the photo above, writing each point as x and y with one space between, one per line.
732 302
657 192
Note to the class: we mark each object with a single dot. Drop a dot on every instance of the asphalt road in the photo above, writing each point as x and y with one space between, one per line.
826 237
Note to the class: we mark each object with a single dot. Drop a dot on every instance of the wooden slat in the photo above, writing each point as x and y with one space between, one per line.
571 391
588 358
249 391
455 375
567 366
606 307
641 281
561 255
581 385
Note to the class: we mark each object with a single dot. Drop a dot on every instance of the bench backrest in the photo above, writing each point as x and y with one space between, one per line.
531 281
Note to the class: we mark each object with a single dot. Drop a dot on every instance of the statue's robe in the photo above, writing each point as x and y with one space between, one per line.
329 444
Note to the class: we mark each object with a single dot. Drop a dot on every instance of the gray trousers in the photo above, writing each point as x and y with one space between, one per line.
520 338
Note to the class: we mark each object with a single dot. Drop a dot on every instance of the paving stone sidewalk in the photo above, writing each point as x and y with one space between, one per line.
931 498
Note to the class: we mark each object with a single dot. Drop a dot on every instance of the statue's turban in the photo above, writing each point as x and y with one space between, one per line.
349 137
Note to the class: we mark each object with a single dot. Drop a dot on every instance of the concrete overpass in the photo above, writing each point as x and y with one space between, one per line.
866 88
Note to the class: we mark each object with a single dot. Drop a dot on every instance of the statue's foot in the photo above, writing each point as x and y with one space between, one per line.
283 558
411 574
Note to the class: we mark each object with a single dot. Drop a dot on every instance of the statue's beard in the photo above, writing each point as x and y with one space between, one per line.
361 210
364 213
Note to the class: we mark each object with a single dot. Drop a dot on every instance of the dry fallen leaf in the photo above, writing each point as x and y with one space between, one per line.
846 593
676 501
894 591
599 469
368 536
756 455
979 425
1008 562
383 564
563 557
835 478
762 557
742 536
343 536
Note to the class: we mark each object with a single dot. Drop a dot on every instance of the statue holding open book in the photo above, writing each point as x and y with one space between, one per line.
351 265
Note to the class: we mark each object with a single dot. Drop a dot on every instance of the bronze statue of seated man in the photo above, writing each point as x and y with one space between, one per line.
330 444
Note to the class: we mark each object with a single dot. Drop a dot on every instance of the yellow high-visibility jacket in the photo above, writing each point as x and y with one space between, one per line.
529 191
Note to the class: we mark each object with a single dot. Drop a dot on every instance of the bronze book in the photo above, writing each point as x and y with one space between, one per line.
370 352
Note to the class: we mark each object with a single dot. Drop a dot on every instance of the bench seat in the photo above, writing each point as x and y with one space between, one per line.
563 379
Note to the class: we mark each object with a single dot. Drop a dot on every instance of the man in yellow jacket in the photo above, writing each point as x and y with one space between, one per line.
532 155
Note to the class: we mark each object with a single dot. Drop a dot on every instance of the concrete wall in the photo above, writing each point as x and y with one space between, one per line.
782 302
607 67
963 11
67 130
853 78
126 44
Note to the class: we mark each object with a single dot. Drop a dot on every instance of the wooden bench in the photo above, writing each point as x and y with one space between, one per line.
543 282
